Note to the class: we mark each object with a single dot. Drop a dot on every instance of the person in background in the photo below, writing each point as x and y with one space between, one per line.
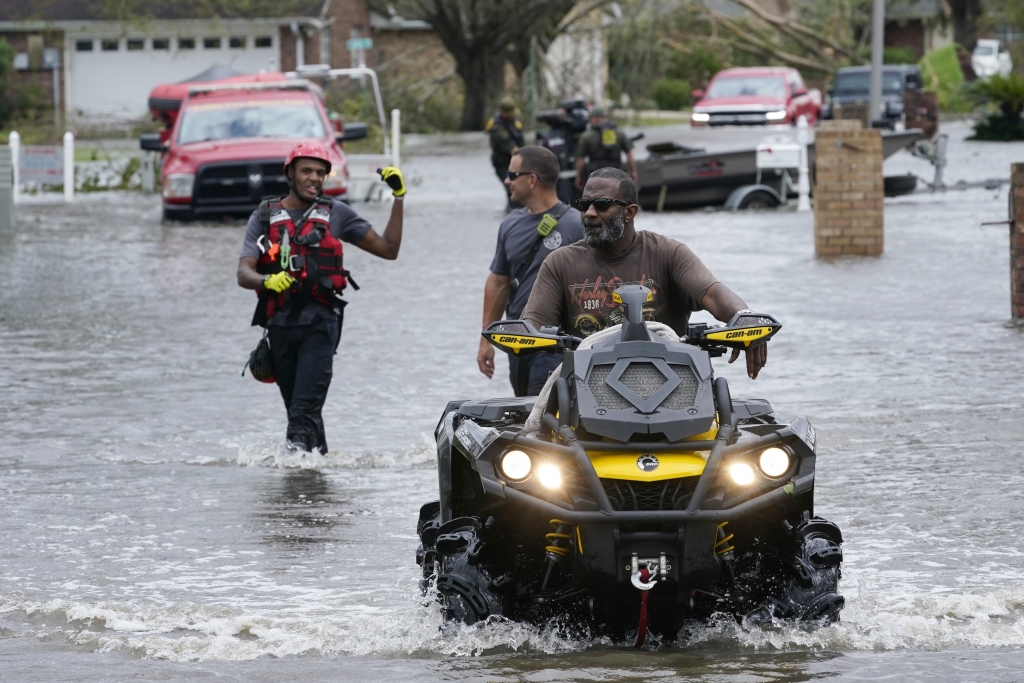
506 135
292 257
526 237
603 146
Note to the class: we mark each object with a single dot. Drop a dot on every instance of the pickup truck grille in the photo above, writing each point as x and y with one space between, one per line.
235 186
738 118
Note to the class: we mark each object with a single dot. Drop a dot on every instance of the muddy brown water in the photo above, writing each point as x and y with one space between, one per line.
152 529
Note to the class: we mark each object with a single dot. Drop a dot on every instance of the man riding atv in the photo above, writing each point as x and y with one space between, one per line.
634 494
575 286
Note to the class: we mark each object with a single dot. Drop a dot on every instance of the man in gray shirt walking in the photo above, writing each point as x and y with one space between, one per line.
525 238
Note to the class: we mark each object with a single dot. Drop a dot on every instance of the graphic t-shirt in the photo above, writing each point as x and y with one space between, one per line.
574 287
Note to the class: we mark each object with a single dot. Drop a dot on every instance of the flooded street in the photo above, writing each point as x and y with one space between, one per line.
151 528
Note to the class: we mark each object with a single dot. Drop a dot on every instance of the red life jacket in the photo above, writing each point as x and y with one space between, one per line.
313 258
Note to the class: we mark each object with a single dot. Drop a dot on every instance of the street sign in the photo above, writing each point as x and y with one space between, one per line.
360 44
41 164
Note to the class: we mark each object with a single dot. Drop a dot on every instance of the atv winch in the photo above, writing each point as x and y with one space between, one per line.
634 494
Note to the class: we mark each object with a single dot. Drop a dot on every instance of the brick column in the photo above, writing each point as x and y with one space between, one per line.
849 191
1017 241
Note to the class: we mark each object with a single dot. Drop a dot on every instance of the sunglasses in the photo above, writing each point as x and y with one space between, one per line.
602 204
512 175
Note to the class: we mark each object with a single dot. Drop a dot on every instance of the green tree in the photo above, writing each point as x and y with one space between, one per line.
6 60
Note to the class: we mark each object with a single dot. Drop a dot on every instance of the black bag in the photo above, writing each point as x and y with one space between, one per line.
261 362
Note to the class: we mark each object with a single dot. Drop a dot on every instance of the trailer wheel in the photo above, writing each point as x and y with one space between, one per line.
758 200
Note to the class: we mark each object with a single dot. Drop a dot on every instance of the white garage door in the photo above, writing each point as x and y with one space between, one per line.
112 77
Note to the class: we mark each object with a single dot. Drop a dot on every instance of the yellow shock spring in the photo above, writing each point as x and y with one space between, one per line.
722 540
554 537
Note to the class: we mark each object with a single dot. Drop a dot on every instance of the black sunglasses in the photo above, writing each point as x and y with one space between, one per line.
601 204
512 175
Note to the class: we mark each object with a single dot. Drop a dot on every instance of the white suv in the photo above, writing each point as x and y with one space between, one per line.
990 58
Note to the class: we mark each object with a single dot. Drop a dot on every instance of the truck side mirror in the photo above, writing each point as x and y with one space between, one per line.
697 94
352 131
831 90
800 92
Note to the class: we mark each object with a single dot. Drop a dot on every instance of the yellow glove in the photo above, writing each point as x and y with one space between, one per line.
393 177
278 282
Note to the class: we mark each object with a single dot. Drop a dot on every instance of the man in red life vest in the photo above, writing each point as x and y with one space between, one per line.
292 257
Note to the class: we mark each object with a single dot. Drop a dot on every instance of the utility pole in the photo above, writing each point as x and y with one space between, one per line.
877 47
533 84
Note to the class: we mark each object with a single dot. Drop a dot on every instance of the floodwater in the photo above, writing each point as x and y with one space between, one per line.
151 528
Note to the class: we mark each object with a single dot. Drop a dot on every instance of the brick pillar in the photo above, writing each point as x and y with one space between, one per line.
1017 240
849 190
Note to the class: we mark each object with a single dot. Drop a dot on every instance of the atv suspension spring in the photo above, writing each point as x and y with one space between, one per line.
721 545
559 545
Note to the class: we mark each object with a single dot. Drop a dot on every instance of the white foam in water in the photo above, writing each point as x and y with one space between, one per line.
334 625
270 453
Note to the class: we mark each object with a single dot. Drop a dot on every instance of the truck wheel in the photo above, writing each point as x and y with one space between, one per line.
465 586
758 200
809 594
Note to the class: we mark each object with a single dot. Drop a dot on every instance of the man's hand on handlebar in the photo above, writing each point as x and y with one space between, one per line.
757 358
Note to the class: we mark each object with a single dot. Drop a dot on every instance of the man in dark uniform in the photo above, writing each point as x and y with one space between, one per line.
299 304
506 134
601 147
526 237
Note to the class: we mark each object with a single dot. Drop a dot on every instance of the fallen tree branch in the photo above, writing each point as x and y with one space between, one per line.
767 48
790 27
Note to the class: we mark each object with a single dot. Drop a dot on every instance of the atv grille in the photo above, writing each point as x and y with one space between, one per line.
605 396
645 496
511 328
684 395
644 379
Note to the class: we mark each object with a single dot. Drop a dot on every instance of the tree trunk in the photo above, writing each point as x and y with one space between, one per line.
965 21
483 79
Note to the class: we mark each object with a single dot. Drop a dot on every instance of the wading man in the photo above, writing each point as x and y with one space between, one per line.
506 136
292 257
602 147
574 287
526 237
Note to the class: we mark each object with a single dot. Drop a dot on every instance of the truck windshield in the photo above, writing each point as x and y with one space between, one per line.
983 51
859 83
735 86
282 118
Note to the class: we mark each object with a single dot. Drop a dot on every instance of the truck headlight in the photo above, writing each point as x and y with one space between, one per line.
776 115
178 185
515 465
774 462
334 180
700 116
742 473
549 476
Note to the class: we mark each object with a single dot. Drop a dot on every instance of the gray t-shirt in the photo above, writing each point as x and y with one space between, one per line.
516 237
345 224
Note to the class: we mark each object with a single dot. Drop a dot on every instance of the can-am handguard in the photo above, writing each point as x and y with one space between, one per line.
520 338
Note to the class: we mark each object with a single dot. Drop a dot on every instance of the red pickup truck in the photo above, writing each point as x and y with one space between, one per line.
755 96
224 142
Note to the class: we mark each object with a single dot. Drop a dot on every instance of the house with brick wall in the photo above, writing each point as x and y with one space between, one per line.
88 66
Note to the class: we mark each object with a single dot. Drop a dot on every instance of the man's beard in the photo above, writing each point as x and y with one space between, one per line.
611 231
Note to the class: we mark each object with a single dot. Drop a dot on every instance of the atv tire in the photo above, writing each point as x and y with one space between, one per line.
452 555
809 592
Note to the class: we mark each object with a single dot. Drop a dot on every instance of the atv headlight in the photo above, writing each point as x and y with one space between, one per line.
549 476
774 462
516 465
742 473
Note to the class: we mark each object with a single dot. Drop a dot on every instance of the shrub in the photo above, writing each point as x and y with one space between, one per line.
898 55
943 76
1006 96
671 93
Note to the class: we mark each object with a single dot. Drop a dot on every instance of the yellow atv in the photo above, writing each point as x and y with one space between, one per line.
633 495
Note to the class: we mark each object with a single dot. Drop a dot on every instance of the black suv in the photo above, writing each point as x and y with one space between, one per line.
853 84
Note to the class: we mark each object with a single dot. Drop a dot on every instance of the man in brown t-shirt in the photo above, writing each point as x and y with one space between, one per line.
574 287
